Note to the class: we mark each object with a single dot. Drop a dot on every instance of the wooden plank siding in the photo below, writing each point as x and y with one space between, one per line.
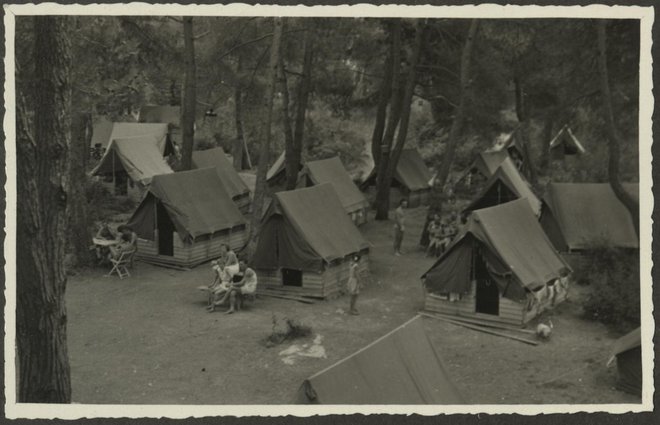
510 311
191 254
328 283
358 215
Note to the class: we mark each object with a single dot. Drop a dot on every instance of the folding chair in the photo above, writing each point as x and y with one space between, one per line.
119 265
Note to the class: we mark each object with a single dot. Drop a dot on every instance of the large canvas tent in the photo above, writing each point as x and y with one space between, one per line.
159 132
628 354
506 184
233 184
401 367
501 268
137 157
411 179
306 241
185 218
484 165
332 171
581 216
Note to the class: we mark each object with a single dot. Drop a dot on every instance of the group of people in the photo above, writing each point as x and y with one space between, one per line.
109 245
232 280
440 232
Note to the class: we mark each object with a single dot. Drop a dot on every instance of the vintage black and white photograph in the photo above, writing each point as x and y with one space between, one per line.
283 208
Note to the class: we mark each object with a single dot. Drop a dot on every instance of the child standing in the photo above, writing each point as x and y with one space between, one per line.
353 284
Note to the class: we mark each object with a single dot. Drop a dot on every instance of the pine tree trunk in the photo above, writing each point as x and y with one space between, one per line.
43 365
384 94
189 94
459 118
382 192
264 152
239 142
407 103
614 144
290 165
303 96
544 163
79 223
522 135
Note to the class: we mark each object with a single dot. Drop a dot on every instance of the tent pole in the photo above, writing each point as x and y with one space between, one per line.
114 183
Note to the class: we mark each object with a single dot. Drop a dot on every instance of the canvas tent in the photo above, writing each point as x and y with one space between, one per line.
159 132
165 114
627 352
565 143
276 175
101 130
332 171
505 185
233 184
580 216
501 268
138 157
411 179
305 242
484 165
185 218
401 367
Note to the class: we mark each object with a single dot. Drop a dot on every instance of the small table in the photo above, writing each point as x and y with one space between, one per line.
104 242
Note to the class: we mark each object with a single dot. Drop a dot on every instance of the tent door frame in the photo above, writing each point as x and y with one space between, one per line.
487 294
165 237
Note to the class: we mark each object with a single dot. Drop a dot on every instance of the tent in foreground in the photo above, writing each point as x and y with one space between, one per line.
305 243
411 179
185 218
506 184
232 182
332 171
503 268
137 157
401 367
628 354
580 216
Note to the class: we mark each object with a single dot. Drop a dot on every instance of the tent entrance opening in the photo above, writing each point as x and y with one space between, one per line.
292 277
488 295
165 231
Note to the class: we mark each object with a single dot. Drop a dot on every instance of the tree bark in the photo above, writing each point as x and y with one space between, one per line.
459 118
43 154
384 94
264 152
407 103
189 94
522 134
614 144
239 142
79 224
290 165
302 96
382 191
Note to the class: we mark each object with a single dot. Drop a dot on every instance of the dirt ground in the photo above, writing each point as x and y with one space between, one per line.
149 340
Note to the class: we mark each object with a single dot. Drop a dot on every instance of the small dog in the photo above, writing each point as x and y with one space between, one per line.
543 331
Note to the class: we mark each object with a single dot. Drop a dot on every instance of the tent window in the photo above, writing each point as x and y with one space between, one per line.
292 277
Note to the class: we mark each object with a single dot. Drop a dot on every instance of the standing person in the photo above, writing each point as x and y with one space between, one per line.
399 226
353 284
228 260
434 230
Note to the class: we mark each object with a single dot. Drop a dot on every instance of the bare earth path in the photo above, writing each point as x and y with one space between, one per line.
148 339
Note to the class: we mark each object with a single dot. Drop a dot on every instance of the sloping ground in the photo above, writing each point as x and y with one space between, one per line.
148 339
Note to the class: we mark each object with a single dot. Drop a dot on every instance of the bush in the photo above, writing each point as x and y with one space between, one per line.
613 276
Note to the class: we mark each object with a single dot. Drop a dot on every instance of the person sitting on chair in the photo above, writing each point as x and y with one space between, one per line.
127 242
435 237
247 286
218 286
105 233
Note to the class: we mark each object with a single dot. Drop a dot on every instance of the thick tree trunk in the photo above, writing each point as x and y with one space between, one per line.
43 365
382 191
407 103
264 152
79 223
239 142
614 144
384 94
459 118
544 163
189 94
290 165
303 96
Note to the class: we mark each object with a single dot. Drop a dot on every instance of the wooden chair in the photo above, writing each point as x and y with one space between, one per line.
120 265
